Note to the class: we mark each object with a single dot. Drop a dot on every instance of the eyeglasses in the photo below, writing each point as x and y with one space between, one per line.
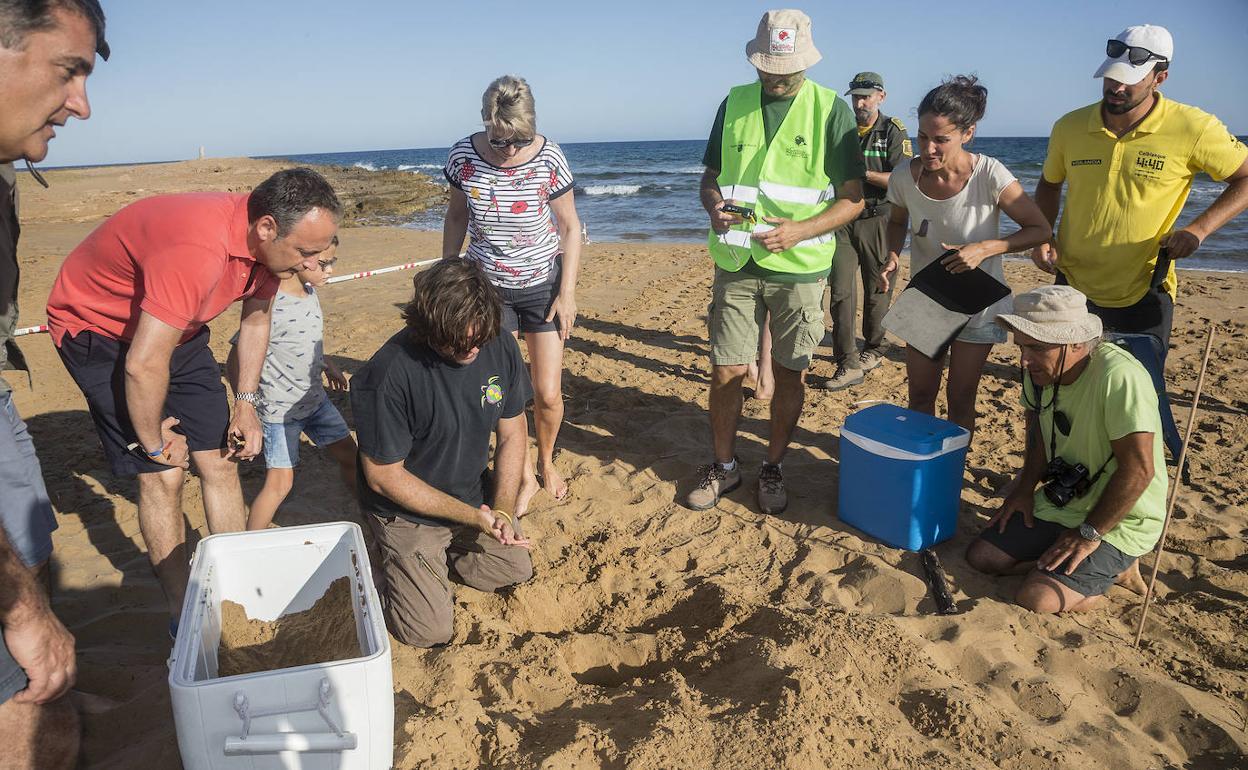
1135 54
858 84
326 264
502 144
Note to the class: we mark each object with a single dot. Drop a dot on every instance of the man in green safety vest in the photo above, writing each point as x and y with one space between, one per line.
783 171
862 245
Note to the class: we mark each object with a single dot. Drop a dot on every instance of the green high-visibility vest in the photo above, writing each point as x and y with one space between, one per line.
783 179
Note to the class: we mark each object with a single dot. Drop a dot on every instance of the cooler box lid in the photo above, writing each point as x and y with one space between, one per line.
911 435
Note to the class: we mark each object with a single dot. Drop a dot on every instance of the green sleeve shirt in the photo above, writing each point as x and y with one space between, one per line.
1112 398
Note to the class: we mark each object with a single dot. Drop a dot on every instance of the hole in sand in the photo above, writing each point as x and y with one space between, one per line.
610 660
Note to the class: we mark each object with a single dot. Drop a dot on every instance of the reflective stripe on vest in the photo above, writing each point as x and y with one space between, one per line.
785 178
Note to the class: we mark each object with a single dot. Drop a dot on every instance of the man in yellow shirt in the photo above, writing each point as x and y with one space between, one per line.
1128 163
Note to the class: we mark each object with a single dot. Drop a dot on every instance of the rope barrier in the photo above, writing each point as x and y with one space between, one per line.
43 328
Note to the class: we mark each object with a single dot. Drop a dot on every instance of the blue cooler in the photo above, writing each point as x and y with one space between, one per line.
901 475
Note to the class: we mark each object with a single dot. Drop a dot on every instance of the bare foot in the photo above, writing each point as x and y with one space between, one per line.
553 482
1131 579
528 488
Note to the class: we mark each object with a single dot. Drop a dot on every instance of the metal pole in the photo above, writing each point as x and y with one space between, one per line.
1174 488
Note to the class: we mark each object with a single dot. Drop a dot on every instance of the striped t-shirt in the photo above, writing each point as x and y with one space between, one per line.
510 229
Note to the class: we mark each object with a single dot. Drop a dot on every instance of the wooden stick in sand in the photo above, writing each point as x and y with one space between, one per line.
1174 489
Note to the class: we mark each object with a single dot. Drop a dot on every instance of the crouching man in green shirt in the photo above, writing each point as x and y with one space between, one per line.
1093 486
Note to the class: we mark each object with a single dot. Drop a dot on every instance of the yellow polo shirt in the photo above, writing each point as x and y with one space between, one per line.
1124 193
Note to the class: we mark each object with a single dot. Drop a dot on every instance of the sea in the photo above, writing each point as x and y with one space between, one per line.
648 191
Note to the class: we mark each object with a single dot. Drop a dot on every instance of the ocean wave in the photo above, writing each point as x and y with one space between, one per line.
366 166
410 166
611 189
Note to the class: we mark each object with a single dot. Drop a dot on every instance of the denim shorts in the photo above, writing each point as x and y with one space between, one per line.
25 511
988 334
325 426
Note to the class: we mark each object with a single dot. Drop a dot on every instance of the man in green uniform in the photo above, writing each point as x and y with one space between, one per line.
783 152
861 245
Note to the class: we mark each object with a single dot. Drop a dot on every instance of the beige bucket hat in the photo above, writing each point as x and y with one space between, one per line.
783 45
1057 315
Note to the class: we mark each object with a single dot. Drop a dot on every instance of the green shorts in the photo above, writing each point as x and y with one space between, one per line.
739 304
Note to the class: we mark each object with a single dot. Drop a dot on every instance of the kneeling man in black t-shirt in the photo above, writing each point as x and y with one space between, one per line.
425 406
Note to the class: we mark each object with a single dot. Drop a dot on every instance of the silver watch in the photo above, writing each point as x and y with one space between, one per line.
1088 532
251 397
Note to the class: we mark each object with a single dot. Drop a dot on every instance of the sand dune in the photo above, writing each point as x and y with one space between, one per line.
653 636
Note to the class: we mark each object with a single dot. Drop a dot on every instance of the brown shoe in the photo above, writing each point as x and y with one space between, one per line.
772 498
713 483
868 359
843 378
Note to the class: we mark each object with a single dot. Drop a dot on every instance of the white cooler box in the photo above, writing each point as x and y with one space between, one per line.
337 715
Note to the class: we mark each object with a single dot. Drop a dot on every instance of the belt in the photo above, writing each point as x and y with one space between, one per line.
874 210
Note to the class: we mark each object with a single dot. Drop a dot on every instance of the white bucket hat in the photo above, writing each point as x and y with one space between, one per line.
783 45
1057 315
1152 38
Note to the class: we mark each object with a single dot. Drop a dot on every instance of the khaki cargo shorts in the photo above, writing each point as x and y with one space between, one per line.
739 305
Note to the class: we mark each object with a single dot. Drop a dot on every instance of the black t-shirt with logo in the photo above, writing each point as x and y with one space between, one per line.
435 416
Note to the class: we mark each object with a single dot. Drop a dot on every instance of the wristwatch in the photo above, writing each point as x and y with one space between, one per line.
1088 532
251 397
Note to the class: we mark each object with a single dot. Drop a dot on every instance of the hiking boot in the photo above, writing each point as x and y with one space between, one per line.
869 358
772 498
843 378
713 483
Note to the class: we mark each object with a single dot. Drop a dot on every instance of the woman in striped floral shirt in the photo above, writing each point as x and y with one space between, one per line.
511 194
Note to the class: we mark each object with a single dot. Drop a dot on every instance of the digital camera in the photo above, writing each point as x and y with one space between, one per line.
1064 482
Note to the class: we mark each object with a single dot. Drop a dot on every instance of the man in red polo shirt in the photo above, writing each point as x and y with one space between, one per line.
128 314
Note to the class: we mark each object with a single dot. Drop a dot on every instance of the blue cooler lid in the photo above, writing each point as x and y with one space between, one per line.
913 432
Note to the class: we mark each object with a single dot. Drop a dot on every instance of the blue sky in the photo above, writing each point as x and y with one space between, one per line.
298 76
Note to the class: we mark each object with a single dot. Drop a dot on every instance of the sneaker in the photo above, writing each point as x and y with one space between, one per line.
869 358
843 378
772 498
713 483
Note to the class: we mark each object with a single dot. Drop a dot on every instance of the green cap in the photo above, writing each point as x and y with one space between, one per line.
866 83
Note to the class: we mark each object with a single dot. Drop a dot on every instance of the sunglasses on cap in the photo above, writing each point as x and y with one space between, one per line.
1135 54
502 144
854 86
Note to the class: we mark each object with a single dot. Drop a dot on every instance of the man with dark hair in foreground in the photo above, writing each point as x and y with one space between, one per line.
129 314
425 406
47 51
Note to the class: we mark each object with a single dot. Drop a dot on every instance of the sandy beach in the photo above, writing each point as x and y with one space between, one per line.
653 636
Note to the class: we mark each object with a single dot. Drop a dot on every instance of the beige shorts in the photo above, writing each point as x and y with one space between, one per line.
740 303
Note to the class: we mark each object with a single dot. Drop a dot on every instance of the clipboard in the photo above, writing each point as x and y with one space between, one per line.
937 305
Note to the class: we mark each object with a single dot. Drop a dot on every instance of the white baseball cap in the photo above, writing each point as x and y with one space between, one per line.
1150 37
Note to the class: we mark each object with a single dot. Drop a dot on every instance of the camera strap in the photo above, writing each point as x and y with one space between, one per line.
1040 407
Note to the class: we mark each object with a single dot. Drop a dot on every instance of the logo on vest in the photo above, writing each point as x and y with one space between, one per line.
1086 162
799 140
782 40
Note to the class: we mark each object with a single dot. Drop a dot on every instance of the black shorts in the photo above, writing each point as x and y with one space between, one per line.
1092 577
525 309
1151 314
196 396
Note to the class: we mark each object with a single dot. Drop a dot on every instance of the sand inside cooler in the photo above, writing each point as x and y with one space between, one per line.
291 599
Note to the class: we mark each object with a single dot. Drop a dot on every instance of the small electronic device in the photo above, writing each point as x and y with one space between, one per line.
741 211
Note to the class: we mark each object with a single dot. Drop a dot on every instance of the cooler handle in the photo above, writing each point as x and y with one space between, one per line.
275 742
271 743
893 453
